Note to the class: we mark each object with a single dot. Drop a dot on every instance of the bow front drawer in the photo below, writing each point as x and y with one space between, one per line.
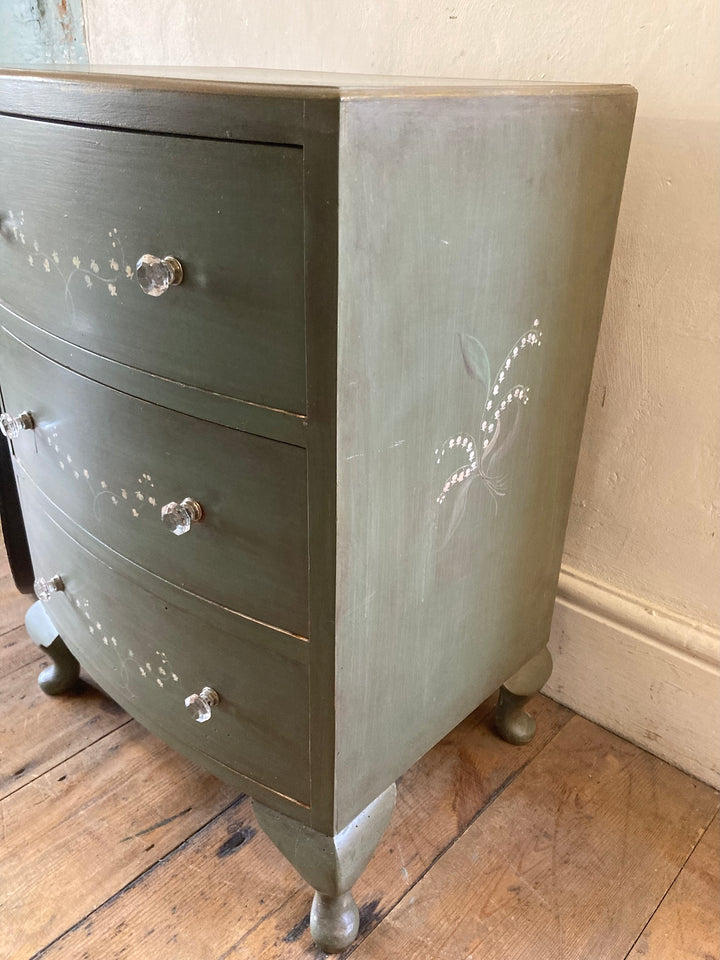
113 462
80 207
153 647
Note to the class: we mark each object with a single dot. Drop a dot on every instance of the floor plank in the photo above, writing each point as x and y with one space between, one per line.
76 835
37 732
569 862
686 925
17 650
253 905
13 605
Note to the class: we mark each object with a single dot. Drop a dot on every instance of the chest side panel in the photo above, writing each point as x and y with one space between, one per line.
475 243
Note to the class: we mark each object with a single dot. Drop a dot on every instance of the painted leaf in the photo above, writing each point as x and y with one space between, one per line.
476 359
458 511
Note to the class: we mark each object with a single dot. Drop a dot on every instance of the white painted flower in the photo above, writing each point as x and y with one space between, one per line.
46 265
114 265
128 272
76 262
31 260
88 281
113 289
94 266
36 246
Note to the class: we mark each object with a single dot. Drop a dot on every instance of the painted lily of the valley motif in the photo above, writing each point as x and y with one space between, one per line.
480 456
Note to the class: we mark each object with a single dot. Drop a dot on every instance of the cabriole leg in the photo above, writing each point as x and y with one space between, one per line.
62 674
330 864
511 721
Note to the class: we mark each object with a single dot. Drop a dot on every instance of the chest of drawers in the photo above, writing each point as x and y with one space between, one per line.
355 395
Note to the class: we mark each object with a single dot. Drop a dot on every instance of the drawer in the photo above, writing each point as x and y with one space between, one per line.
79 206
110 462
150 648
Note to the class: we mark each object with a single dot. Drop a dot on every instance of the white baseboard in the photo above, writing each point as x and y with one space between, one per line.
647 674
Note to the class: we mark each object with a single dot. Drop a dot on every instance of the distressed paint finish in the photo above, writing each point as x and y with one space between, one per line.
42 31
461 218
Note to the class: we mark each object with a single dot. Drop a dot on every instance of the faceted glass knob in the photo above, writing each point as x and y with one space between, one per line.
44 589
179 517
155 275
12 427
199 705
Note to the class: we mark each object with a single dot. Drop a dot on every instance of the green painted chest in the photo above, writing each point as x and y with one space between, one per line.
301 508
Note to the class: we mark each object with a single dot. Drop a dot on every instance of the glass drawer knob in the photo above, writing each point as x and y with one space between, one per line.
199 705
156 274
179 517
45 588
12 427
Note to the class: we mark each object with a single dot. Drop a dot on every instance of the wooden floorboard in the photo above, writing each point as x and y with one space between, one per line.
568 862
54 728
252 904
686 925
579 846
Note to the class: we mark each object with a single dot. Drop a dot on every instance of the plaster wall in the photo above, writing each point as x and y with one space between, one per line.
644 517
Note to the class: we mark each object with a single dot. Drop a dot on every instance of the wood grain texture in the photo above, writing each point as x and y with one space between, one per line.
76 835
568 862
54 727
17 650
686 924
13 605
79 207
252 904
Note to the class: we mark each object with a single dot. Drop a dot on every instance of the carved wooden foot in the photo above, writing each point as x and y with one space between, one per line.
63 673
511 721
330 864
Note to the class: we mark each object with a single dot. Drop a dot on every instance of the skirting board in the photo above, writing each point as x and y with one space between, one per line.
647 674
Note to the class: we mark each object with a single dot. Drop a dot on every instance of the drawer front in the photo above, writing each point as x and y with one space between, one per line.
149 654
79 207
110 462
